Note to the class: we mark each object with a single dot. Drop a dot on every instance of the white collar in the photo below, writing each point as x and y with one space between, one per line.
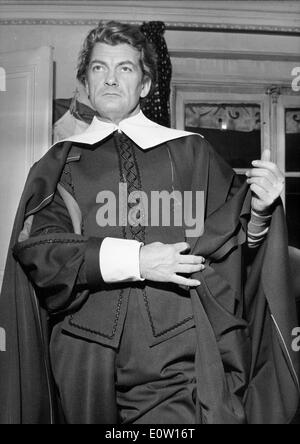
145 133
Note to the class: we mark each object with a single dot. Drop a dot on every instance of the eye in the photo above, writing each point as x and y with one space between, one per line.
97 68
126 69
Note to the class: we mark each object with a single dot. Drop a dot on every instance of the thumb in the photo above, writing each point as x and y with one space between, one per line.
266 155
182 246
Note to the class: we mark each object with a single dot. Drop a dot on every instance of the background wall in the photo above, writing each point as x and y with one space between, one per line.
196 31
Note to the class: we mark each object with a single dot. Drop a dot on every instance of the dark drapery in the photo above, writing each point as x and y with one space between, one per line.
157 106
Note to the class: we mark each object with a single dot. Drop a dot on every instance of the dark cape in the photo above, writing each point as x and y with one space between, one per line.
244 311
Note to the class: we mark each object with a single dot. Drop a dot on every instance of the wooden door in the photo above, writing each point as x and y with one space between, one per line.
25 127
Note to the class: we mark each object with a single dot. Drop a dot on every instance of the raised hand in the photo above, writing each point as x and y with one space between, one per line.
266 182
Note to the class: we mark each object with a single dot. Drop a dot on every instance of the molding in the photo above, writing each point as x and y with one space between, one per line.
184 84
197 15
234 55
174 26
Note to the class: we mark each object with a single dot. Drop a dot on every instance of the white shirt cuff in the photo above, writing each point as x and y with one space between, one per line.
119 260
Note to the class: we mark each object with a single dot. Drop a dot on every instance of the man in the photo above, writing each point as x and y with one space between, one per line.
145 326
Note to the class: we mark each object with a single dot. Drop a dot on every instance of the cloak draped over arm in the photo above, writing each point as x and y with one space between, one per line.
244 312
62 265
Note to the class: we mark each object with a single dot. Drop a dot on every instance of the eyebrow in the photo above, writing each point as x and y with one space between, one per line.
125 62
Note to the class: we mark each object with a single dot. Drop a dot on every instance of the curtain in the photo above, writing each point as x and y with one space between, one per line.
240 117
157 107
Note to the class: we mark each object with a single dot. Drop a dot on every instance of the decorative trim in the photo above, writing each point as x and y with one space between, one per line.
234 55
167 330
181 83
274 92
99 333
188 15
33 244
53 22
172 26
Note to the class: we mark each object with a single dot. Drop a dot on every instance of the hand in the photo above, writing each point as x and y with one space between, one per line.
266 182
160 262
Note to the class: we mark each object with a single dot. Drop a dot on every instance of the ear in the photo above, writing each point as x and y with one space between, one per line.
145 87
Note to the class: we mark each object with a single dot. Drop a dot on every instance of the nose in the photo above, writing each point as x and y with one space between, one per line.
111 78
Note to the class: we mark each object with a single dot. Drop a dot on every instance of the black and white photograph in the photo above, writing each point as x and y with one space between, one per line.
150 214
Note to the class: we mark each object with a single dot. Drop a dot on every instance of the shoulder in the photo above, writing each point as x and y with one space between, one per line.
57 155
191 143
51 164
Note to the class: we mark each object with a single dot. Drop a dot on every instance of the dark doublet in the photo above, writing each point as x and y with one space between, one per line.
245 368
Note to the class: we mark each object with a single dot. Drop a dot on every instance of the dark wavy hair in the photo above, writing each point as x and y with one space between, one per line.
115 33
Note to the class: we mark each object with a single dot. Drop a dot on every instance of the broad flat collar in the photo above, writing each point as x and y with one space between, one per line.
145 133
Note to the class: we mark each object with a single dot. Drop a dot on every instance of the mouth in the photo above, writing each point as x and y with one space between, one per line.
111 94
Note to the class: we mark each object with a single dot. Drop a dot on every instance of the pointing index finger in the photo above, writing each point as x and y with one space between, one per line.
266 165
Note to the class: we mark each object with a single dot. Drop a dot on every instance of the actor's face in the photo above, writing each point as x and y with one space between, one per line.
115 82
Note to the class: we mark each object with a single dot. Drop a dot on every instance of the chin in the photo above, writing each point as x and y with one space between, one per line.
110 107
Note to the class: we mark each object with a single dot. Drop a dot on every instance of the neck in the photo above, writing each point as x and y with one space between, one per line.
117 119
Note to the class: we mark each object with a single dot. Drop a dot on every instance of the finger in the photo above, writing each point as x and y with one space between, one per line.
262 172
266 155
271 166
262 194
189 268
262 182
190 259
180 280
182 246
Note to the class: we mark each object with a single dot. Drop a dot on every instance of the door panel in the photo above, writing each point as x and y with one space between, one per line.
25 128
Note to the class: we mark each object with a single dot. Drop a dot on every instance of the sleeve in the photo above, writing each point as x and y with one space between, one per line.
258 228
61 264
120 260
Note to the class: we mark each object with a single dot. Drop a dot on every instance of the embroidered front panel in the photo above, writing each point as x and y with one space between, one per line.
103 169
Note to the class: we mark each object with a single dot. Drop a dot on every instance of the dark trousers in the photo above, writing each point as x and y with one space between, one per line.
135 384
